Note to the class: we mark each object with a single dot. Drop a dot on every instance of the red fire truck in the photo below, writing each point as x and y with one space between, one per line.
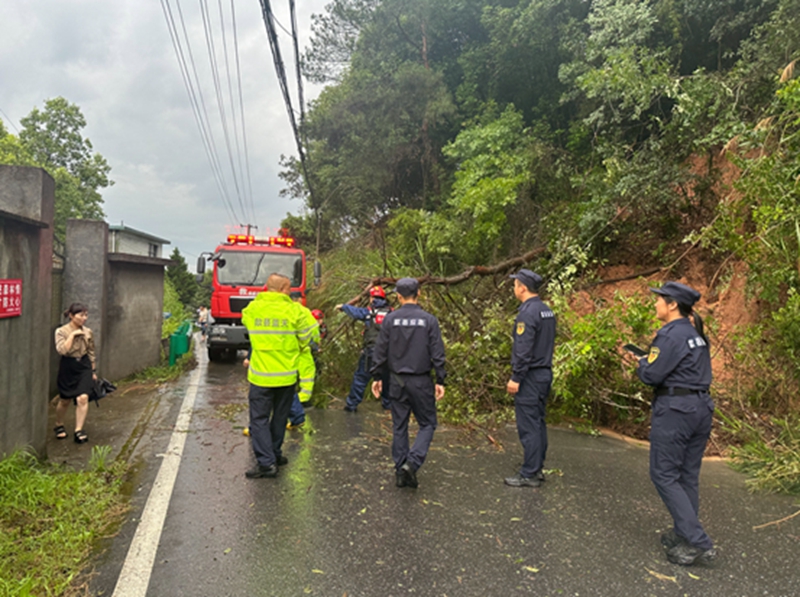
241 268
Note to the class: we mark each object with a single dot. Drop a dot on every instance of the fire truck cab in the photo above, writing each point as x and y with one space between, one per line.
241 268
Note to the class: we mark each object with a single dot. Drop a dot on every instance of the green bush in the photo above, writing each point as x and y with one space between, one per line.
591 380
478 353
178 312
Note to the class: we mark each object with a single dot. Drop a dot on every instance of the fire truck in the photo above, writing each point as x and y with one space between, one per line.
241 268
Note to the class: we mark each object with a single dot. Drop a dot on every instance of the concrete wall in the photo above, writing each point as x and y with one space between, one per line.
124 294
56 320
86 274
26 246
135 310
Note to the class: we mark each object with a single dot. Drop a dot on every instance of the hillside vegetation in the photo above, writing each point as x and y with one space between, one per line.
611 143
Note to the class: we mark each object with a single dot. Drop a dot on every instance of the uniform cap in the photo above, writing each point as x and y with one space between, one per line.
685 295
295 294
377 291
407 287
530 279
317 314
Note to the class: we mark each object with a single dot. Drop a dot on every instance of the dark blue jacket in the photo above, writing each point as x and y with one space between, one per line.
534 338
363 313
679 358
410 343
379 308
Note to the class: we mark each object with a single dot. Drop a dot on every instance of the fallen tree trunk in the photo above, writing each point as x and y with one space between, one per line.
475 270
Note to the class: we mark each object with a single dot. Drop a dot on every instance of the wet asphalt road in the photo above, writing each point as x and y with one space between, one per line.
334 524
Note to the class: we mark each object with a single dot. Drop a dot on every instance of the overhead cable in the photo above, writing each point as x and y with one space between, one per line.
215 162
9 121
212 57
299 73
269 21
205 135
241 112
247 202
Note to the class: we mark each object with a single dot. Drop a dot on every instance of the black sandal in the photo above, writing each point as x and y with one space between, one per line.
61 432
81 437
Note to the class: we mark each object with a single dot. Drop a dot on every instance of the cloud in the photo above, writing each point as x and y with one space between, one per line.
116 61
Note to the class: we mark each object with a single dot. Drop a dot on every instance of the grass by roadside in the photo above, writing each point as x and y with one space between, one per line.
163 372
770 455
50 518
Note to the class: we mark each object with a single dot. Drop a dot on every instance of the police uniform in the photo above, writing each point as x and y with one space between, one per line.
532 368
279 330
408 347
678 366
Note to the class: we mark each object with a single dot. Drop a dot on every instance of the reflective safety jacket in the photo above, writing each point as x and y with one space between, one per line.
307 369
279 330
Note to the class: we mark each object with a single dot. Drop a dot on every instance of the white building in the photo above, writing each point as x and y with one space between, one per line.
123 239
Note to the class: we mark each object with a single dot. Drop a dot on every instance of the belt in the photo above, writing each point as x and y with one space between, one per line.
399 378
662 391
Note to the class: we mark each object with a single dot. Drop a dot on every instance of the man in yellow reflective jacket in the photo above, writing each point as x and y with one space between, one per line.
279 331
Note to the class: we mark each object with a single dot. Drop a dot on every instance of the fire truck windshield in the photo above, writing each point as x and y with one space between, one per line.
250 268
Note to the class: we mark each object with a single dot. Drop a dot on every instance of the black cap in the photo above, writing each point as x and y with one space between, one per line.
685 295
295 294
407 287
530 279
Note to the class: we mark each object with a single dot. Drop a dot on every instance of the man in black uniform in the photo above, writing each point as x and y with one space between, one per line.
408 347
531 375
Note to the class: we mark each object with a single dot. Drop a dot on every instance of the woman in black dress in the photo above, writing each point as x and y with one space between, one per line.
76 371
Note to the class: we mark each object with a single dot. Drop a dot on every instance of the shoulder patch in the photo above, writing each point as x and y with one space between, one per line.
654 352
520 328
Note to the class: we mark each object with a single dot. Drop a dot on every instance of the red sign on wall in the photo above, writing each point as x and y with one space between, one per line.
10 298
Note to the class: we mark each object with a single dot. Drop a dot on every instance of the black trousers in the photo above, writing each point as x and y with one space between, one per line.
412 393
269 411
679 430
530 405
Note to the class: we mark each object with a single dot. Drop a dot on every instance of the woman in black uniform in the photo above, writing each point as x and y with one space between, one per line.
678 366
76 371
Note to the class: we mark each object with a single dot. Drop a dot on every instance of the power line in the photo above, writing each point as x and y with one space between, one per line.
212 56
298 71
215 161
9 121
241 111
269 21
205 135
248 203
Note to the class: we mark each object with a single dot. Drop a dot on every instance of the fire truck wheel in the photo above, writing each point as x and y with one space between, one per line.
215 354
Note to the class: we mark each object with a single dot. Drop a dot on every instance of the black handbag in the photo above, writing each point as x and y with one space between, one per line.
101 388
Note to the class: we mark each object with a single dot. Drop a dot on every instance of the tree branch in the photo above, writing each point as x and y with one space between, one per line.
474 270
787 518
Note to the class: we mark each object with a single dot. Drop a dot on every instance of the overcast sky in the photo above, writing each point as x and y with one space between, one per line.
115 60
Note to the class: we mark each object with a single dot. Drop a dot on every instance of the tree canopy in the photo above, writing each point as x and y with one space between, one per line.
182 279
445 121
52 139
456 136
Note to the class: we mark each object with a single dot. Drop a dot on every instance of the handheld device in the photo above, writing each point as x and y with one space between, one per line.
632 348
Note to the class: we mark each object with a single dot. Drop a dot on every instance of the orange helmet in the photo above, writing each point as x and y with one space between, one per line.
317 314
377 291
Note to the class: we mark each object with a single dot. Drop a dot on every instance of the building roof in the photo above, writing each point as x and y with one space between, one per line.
129 230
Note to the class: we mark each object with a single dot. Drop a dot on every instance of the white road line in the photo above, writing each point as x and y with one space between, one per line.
138 566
